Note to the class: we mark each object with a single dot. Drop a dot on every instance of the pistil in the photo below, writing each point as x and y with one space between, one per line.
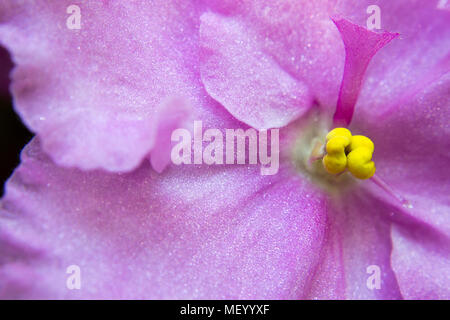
383 185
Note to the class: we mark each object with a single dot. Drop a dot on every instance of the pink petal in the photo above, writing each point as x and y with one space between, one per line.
407 64
443 5
411 154
360 46
210 232
250 84
420 261
403 109
92 94
296 37
358 238
174 114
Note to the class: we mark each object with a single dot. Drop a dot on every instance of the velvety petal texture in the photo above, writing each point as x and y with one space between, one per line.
358 244
96 189
297 35
411 61
173 114
249 83
360 46
407 92
421 261
193 232
92 93
411 152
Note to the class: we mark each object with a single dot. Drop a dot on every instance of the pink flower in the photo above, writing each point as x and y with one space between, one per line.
104 98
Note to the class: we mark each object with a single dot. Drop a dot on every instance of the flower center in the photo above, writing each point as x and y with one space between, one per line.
338 151
310 139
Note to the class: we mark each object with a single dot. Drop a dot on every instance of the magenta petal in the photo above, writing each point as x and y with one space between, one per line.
421 262
358 238
91 94
411 152
173 114
209 232
406 65
298 35
360 46
250 84
443 5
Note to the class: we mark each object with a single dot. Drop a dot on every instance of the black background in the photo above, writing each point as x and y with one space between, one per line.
13 134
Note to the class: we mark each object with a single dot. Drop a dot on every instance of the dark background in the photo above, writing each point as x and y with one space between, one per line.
13 134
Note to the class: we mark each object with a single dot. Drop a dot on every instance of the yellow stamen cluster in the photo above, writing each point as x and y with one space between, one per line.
345 151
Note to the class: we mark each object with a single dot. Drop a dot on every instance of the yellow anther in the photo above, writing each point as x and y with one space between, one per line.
339 132
359 157
335 161
344 151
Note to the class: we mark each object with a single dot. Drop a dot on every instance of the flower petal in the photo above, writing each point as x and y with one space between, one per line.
250 84
191 232
407 64
412 154
358 242
173 114
92 94
420 261
360 46
297 35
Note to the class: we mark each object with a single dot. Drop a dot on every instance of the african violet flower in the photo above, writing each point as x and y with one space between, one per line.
100 99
